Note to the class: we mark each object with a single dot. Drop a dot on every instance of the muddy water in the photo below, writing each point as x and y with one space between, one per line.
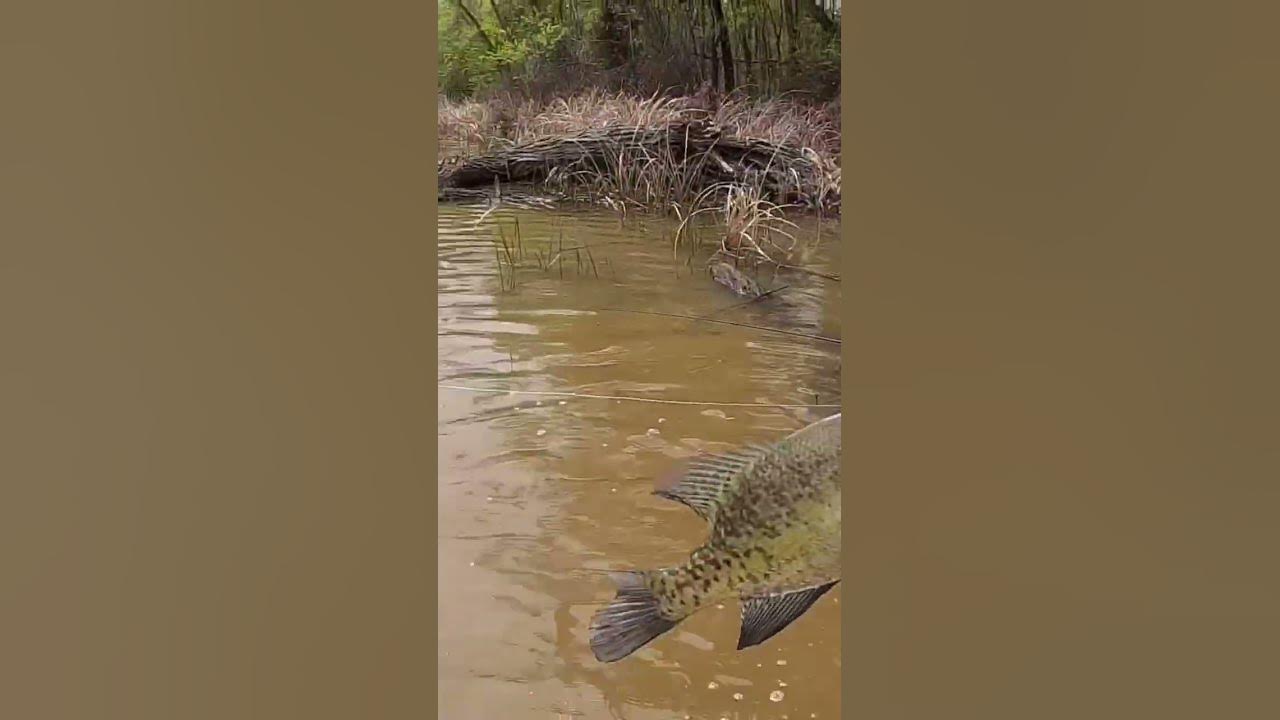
541 495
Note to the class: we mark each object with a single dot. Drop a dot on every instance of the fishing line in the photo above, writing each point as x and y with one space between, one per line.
632 398
755 299
724 322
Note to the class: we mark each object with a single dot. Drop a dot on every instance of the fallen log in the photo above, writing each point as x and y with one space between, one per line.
593 149
784 173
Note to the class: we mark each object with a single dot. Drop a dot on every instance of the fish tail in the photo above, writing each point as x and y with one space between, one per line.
632 620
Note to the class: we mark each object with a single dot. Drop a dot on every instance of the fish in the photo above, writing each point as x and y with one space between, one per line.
773 513
733 278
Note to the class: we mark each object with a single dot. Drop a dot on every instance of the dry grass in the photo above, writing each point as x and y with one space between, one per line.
755 229
503 119
464 128
633 178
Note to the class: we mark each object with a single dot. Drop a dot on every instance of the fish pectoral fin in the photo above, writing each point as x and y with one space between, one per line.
703 481
764 616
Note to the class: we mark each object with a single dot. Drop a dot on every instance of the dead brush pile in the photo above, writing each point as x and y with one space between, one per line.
662 153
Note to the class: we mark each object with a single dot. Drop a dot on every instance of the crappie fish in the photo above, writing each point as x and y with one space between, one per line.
734 279
774 516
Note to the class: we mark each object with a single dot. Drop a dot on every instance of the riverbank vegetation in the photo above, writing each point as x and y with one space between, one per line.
547 48
723 109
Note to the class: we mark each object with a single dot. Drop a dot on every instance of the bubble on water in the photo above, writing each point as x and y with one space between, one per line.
653 431
613 489
662 420
473 563
712 685
604 444
535 402
564 402
541 432
737 696
782 662
776 696
489 499
719 606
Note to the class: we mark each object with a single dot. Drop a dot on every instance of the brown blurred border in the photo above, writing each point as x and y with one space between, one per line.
216 480
217 341
1061 360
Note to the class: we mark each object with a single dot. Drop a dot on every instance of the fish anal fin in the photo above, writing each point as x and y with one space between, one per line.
764 616
701 482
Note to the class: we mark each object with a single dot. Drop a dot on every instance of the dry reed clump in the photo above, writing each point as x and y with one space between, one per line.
630 177
596 109
467 127
783 120
754 230
462 126
500 118
657 181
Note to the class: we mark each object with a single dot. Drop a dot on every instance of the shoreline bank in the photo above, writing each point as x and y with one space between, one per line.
658 153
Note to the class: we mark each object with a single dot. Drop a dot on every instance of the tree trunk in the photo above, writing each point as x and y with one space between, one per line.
474 21
819 15
613 53
726 53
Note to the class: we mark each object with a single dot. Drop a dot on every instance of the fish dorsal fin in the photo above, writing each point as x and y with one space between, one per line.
764 616
702 484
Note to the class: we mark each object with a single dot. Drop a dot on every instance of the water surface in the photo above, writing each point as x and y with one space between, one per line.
541 495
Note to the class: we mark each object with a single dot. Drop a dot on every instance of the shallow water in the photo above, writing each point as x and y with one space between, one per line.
541 495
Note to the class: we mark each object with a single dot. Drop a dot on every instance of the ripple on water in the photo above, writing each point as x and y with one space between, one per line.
541 496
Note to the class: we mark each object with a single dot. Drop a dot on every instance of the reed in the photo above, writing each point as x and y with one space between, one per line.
512 255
